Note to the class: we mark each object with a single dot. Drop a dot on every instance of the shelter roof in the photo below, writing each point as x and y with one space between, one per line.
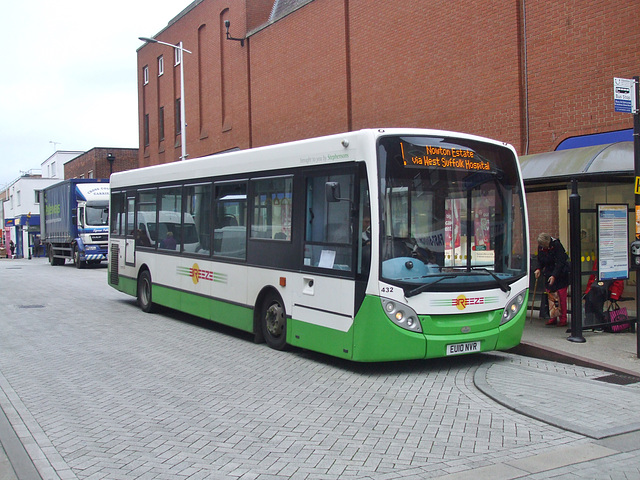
582 163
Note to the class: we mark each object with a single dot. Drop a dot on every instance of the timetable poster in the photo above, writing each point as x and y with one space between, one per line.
613 231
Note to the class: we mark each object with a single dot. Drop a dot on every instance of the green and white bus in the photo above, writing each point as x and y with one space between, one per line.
372 245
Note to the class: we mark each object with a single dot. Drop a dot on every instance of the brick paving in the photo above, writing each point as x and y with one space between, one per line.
96 389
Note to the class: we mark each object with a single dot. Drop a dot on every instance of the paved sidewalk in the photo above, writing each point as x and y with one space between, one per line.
616 352
164 397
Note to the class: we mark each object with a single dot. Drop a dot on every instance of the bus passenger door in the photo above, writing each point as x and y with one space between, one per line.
130 240
324 304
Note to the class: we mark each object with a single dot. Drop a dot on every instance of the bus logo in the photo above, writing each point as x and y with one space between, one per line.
462 301
197 274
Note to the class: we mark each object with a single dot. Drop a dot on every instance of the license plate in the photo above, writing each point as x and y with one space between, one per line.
461 348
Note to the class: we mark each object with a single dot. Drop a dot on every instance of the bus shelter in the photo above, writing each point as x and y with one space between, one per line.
600 175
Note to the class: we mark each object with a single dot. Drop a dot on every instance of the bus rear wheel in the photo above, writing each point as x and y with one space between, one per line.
273 320
144 292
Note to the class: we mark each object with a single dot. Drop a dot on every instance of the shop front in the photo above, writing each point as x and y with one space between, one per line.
24 231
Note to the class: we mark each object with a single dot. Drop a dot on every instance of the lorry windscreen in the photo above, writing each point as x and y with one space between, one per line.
97 215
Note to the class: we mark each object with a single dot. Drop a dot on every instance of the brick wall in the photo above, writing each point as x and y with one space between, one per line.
575 49
423 65
298 83
95 160
333 65
543 216
216 85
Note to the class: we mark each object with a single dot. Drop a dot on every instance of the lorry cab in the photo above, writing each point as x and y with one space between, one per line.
92 221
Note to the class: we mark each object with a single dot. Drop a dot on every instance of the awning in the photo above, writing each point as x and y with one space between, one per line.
581 163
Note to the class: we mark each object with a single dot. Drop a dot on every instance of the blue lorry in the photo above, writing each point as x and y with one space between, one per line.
76 221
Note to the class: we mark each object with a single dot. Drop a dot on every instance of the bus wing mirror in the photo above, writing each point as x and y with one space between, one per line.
332 191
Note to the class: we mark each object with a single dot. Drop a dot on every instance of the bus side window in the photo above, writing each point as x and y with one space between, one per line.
272 208
196 219
328 234
230 220
118 211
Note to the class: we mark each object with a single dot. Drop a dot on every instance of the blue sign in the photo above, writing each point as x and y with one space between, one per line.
624 95
623 106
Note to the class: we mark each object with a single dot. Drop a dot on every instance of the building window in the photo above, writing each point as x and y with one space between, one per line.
146 129
161 124
53 169
145 74
160 65
90 175
18 197
177 56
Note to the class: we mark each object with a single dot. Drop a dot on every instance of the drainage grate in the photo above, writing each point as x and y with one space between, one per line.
30 306
618 379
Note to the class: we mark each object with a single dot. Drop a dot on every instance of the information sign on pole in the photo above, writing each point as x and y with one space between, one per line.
613 242
624 97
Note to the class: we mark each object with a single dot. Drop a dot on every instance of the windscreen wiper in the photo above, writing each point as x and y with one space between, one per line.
504 286
427 286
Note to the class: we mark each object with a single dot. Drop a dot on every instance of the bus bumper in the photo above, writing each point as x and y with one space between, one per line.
377 339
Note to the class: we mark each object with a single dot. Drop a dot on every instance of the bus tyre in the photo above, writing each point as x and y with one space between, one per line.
144 292
274 321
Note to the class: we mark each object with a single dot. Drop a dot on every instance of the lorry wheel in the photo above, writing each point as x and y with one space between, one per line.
53 260
144 292
76 257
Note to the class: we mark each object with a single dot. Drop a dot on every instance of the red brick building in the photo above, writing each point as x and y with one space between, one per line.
101 162
530 73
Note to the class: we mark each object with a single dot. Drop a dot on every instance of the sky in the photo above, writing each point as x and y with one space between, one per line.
69 75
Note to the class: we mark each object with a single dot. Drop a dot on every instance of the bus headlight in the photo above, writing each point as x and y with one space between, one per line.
513 307
402 315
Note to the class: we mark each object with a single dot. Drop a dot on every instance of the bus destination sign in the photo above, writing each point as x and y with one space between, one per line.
446 158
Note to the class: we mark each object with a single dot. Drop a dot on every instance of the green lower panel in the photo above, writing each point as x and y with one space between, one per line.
235 316
511 333
204 307
166 296
319 339
126 285
377 339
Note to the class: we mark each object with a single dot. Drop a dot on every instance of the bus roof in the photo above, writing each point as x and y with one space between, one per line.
331 149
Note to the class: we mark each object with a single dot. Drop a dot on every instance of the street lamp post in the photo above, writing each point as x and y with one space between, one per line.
111 158
183 126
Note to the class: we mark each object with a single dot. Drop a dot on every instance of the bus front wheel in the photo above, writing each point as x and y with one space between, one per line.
273 320
144 292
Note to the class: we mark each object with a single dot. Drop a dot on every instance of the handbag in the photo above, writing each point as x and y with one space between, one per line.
554 304
615 314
